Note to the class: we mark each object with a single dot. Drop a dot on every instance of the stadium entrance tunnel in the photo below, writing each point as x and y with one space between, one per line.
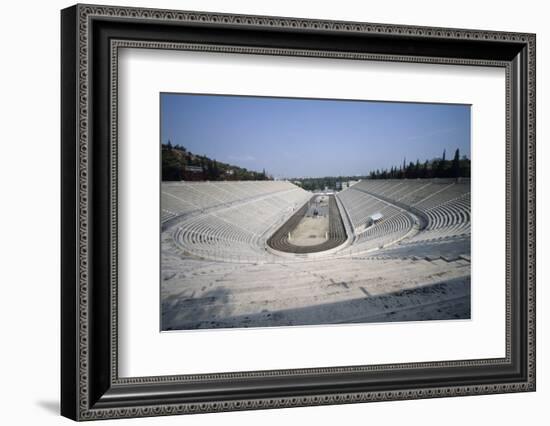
316 227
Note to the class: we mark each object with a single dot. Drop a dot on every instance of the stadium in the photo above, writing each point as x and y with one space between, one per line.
264 253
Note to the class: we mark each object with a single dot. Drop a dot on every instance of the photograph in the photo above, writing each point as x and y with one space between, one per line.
265 209
278 211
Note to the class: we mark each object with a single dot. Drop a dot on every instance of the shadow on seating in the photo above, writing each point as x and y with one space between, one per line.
446 300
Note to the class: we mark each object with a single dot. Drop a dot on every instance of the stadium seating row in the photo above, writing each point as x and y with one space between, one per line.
182 198
233 228
445 203
232 221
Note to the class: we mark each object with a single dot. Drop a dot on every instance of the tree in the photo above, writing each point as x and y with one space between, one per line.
425 171
171 166
455 167
215 170
409 174
437 167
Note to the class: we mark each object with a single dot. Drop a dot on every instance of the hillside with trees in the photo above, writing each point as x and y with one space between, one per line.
180 164
436 168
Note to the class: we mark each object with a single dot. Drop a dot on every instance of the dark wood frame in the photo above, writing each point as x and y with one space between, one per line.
90 386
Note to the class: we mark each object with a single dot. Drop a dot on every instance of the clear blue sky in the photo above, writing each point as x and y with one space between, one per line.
306 137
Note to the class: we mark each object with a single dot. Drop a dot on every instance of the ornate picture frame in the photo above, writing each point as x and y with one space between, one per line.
90 39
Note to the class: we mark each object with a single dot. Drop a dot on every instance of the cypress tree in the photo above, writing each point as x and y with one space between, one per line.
455 168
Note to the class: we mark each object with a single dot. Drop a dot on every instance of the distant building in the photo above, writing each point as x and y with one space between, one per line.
371 220
193 173
376 217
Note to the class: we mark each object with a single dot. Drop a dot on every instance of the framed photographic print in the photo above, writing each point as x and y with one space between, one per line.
263 212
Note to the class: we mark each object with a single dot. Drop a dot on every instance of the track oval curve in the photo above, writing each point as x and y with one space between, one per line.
336 233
